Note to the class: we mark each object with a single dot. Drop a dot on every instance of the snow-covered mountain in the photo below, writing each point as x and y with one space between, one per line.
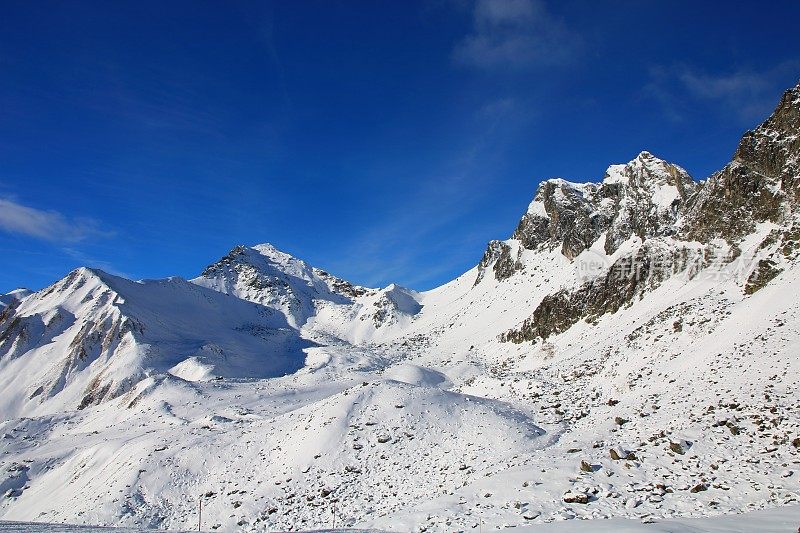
641 198
265 275
630 351
92 337
14 296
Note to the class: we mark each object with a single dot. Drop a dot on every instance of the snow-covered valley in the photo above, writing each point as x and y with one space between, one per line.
633 351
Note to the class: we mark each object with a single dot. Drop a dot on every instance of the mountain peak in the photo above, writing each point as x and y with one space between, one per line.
641 197
16 295
760 184
268 276
646 170
270 250
79 277
782 125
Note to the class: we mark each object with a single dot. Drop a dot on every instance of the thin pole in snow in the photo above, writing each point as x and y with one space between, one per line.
200 512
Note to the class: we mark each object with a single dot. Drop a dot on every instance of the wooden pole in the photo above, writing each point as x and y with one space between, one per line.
200 513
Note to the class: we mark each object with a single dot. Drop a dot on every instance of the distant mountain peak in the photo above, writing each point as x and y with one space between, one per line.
14 297
268 276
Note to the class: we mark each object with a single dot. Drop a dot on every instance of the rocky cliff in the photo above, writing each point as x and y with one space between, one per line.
672 222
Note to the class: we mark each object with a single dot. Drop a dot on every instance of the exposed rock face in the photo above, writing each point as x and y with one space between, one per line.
642 198
669 213
765 271
649 197
500 257
341 286
627 279
760 184
564 214
649 194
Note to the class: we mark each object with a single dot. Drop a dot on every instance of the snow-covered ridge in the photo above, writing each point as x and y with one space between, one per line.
642 171
14 296
270 277
619 356
643 197
92 336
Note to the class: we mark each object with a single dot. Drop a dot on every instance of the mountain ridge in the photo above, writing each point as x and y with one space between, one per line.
631 350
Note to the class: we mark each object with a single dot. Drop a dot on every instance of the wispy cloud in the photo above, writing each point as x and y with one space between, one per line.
515 34
390 248
47 225
433 234
746 93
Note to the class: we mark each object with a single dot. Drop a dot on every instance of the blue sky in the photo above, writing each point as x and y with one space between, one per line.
382 141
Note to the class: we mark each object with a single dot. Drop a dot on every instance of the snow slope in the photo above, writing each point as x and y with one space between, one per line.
330 429
768 521
92 336
631 352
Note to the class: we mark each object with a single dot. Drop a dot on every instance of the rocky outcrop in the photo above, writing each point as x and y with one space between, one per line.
563 214
341 286
649 197
760 184
503 262
624 282
661 205
643 198
780 247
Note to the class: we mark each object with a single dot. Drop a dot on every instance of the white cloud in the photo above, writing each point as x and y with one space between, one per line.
736 85
515 34
47 225
747 94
